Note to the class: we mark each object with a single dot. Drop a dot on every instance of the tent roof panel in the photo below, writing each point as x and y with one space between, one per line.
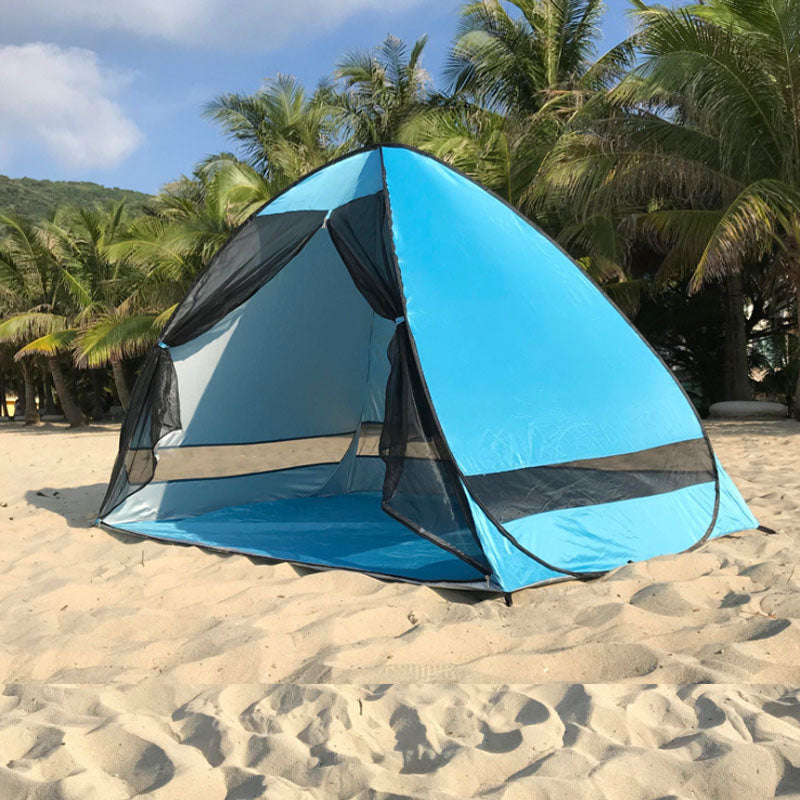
336 184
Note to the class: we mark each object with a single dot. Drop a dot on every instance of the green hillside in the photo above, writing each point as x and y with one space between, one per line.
38 199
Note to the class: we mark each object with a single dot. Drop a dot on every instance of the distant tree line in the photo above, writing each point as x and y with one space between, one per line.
38 200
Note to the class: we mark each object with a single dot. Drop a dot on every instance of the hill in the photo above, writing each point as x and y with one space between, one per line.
38 199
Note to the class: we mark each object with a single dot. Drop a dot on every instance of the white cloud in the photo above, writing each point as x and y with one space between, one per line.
229 24
61 98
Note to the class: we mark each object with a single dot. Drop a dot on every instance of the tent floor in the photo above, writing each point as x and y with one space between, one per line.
349 531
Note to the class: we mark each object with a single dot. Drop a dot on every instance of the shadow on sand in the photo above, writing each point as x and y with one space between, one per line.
77 504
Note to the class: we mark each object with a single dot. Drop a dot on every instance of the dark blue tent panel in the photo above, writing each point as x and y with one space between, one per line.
390 370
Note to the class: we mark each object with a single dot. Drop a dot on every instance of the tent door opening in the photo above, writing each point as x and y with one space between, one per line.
305 432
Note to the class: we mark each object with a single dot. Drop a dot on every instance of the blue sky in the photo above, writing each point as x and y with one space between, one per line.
112 90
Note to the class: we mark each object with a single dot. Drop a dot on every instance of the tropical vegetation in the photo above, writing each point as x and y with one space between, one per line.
37 200
669 166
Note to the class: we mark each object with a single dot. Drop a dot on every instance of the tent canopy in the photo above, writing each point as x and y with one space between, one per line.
389 369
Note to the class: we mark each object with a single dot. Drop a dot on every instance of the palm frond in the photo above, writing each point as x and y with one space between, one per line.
163 318
749 226
51 344
115 338
23 326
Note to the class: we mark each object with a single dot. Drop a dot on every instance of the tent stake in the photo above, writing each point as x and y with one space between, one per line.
509 600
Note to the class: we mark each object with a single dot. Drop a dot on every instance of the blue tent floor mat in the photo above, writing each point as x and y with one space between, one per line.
350 531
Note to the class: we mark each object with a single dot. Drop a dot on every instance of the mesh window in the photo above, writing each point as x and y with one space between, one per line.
154 411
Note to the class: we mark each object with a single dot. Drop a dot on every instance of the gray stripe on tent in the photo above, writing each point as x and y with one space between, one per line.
370 438
223 461
518 493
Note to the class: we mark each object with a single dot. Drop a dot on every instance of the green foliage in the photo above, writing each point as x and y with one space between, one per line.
382 91
38 200
116 337
669 162
516 62
282 130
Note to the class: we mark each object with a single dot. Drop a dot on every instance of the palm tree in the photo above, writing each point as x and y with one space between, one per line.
540 56
100 287
703 137
167 248
6 367
383 89
283 131
501 153
189 221
36 310
516 81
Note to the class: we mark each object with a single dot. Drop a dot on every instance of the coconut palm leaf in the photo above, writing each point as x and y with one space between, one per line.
163 318
19 327
511 63
51 344
242 188
281 111
681 234
113 337
383 89
749 227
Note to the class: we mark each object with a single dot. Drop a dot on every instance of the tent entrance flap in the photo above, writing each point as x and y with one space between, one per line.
421 487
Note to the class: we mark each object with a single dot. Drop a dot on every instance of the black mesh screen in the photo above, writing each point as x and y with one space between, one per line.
249 259
154 411
359 231
421 488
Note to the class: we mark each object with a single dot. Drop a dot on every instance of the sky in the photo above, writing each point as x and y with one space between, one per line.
113 91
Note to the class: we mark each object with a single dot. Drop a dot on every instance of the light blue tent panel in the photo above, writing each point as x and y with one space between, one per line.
309 370
348 531
333 186
526 361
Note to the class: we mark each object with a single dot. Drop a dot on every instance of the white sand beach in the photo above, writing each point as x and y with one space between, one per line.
160 653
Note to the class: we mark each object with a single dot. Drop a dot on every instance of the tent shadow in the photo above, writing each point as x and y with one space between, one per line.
78 505
468 598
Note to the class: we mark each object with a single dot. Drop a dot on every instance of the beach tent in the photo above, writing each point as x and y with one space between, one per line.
388 369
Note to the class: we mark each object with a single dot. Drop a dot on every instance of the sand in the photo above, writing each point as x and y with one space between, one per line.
134 667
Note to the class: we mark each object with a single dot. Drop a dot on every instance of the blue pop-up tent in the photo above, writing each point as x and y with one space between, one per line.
388 369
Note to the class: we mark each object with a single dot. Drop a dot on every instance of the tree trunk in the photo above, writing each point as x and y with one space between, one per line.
796 398
98 406
737 371
19 403
31 414
46 404
70 408
120 383
3 404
